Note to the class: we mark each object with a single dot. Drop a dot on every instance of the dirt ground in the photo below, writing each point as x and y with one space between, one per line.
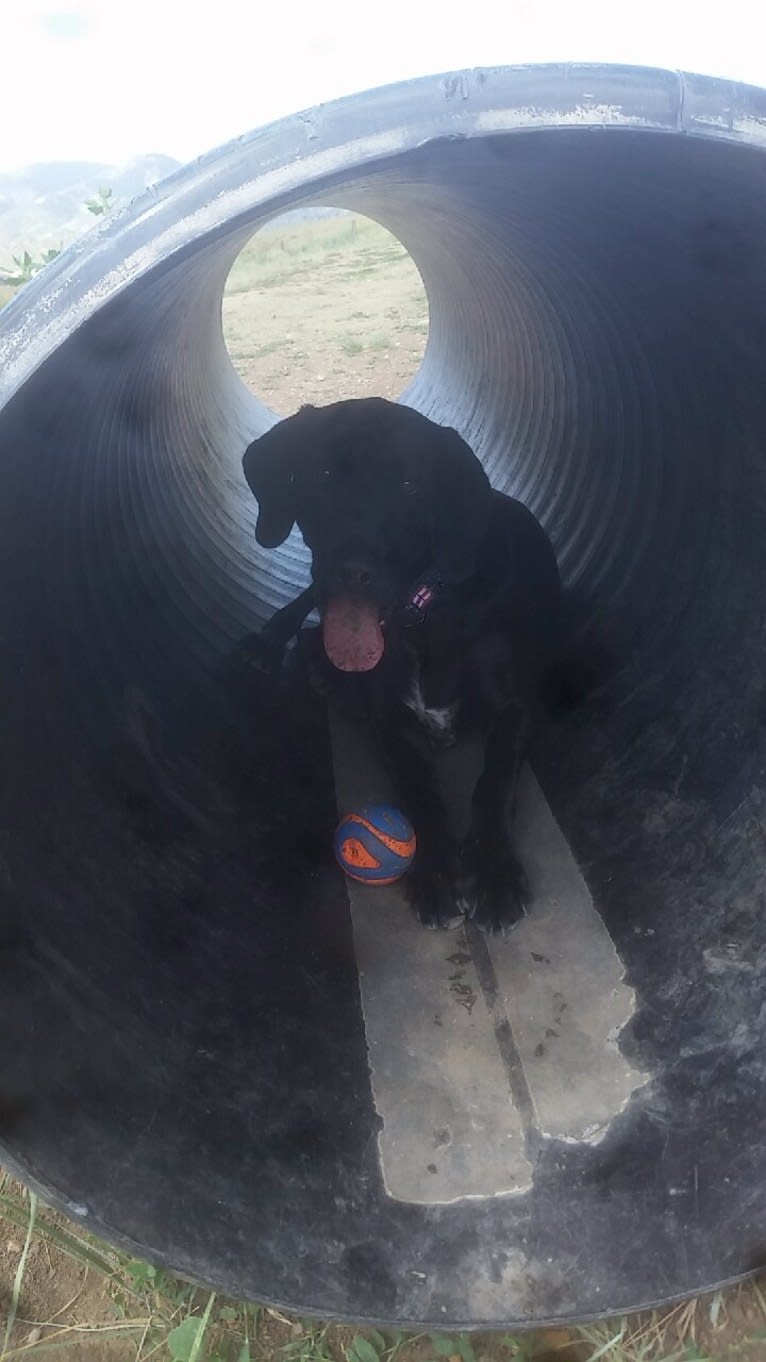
313 313
58 1294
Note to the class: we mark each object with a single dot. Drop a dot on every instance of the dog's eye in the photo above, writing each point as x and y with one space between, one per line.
409 488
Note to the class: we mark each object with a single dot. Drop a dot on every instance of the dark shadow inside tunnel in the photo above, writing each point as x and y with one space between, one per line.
598 332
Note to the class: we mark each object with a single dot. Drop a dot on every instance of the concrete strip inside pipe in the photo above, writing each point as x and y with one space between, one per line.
184 1063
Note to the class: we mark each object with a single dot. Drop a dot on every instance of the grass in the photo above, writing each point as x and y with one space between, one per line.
19 1275
272 259
278 257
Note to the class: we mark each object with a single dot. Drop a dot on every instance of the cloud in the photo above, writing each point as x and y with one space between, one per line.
109 79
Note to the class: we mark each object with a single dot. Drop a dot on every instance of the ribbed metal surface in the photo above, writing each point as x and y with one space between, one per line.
593 245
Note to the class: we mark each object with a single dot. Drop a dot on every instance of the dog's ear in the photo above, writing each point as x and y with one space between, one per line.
461 500
269 465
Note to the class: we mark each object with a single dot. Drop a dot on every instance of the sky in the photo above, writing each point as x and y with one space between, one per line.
106 80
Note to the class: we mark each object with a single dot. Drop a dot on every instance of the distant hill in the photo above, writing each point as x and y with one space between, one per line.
43 205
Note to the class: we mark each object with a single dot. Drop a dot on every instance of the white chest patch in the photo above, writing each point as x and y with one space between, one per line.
438 722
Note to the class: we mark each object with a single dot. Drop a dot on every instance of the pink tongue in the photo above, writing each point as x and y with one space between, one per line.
352 636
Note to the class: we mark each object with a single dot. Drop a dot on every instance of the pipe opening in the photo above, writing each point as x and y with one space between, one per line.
323 305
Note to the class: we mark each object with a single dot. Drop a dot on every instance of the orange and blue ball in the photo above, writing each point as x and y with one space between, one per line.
375 845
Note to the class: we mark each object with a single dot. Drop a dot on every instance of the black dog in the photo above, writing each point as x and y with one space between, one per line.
440 604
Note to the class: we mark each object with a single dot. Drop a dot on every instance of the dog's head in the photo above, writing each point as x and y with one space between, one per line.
382 496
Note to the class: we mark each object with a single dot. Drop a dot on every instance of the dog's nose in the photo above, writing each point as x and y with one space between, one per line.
355 573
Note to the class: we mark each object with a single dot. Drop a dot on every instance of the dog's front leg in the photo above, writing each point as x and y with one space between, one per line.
431 884
495 885
265 651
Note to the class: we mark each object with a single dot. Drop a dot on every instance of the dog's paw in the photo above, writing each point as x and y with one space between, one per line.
432 889
494 887
260 653
318 679
307 660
